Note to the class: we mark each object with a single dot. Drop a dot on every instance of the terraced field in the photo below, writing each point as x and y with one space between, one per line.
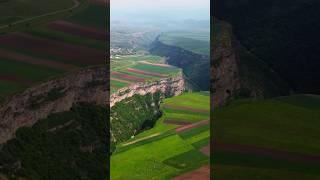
268 139
195 41
178 145
131 69
41 51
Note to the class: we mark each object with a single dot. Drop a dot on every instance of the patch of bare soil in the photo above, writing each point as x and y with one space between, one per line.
127 77
36 61
146 73
191 126
206 150
72 53
79 30
202 173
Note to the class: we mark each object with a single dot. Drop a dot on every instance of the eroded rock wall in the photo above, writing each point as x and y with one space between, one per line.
172 86
57 95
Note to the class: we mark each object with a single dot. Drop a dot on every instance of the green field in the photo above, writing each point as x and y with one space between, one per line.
289 124
145 63
161 153
197 42
17 74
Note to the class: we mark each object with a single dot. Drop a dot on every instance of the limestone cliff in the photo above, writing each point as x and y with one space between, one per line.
171 86
57 95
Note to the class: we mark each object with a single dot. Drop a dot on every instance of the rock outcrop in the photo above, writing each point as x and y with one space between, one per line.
225 78
171 86
57 95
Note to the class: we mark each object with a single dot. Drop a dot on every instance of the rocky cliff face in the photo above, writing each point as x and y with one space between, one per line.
58 95
225 78
168 86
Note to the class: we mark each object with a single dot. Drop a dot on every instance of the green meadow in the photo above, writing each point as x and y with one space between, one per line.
162 153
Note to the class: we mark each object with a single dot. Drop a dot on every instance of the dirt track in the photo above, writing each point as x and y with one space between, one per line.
71 53
191 126
79 30
146 73
36 61
202 173
272 153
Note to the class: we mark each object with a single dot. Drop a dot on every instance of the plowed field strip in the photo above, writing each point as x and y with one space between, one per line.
276 154
191 126
206 150
79 30
202 173
17 79
155 64
146 73
120 80
127 77
74 54
36 61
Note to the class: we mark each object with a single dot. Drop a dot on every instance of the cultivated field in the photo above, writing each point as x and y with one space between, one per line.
268 139
130 69
195 41
177 145
37 52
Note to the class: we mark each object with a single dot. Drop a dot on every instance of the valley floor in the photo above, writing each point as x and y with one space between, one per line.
176 147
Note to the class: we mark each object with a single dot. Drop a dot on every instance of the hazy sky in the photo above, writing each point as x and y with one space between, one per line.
165 9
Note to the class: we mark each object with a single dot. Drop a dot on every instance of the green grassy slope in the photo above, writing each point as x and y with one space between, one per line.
289 124
160 152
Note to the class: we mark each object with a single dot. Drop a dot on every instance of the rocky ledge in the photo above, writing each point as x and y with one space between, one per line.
57 95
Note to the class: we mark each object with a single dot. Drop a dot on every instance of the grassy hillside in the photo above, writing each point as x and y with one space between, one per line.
164 152
270 138
67 145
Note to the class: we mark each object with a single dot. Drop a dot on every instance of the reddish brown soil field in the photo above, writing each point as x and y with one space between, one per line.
202 173
146 73
14 78
71 53
156 64
36 61
206 150
187 108
79 30
127 77
176 122
191 126
275 154
120 80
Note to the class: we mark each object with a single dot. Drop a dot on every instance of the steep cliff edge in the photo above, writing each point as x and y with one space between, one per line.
171 86
237 72
137 107
57 95
196 67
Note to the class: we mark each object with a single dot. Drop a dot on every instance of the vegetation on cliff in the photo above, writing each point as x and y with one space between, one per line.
67 145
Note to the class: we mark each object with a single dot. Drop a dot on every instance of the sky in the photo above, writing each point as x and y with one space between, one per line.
160 9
